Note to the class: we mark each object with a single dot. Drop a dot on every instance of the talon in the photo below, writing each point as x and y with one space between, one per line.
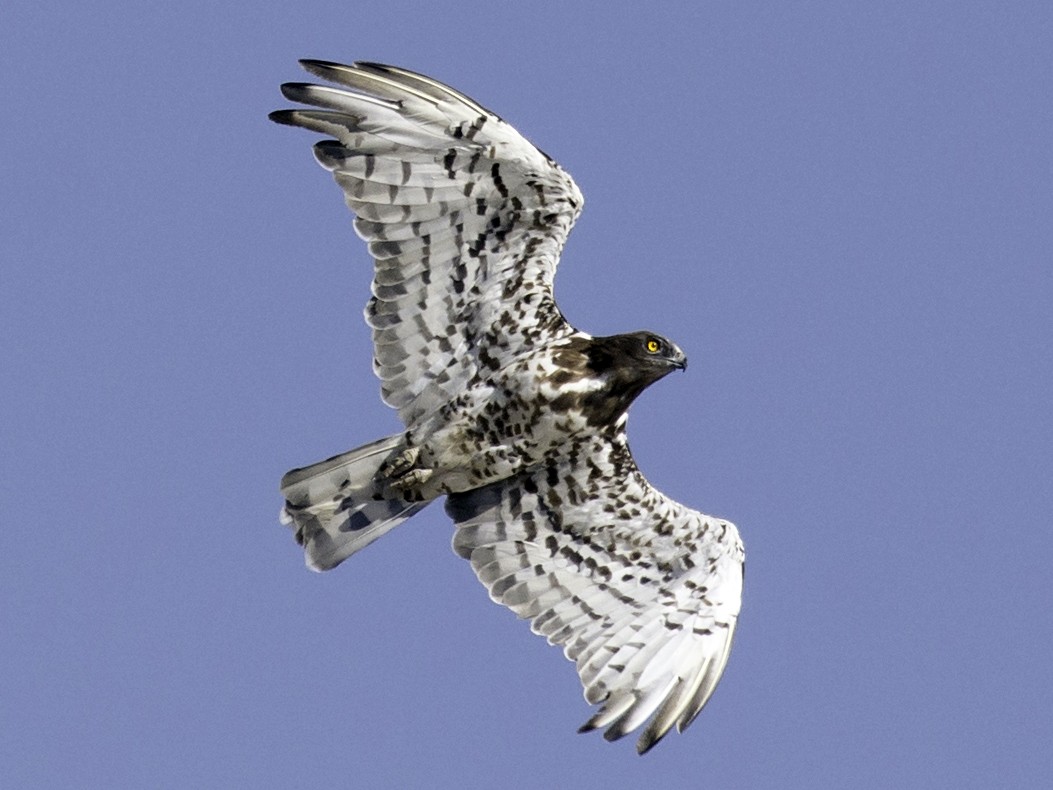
399 465
411 479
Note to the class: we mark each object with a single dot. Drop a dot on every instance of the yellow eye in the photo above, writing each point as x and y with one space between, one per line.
653 346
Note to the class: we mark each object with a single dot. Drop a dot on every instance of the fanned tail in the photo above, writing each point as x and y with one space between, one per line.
336 507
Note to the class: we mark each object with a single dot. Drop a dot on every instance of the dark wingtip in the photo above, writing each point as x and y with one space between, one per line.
295 91
326 69
646 743
284 117
310 64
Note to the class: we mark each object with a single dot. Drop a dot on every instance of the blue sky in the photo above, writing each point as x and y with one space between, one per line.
841 211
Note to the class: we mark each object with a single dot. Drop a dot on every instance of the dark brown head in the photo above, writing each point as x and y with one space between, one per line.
647 353
628 364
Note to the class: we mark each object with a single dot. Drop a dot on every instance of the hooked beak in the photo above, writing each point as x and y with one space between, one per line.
679 359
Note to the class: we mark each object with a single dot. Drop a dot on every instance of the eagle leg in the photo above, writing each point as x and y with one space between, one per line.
400 472
398 465
411 479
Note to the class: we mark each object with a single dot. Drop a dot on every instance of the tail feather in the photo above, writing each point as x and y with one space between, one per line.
336 508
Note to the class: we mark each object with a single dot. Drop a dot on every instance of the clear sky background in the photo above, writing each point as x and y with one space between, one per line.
842 211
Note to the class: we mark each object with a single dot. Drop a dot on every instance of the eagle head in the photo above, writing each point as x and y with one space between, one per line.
653 353
627 364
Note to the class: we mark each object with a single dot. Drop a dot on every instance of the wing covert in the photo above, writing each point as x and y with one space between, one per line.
464 217
642 592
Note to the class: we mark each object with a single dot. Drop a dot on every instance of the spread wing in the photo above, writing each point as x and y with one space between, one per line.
642 593
464 218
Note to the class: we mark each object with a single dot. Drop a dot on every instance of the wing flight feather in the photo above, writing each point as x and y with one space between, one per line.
464 217
642 592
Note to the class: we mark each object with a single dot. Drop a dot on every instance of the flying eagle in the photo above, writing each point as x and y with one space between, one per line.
512 413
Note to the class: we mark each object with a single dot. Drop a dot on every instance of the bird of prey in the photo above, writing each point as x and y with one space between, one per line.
518 418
